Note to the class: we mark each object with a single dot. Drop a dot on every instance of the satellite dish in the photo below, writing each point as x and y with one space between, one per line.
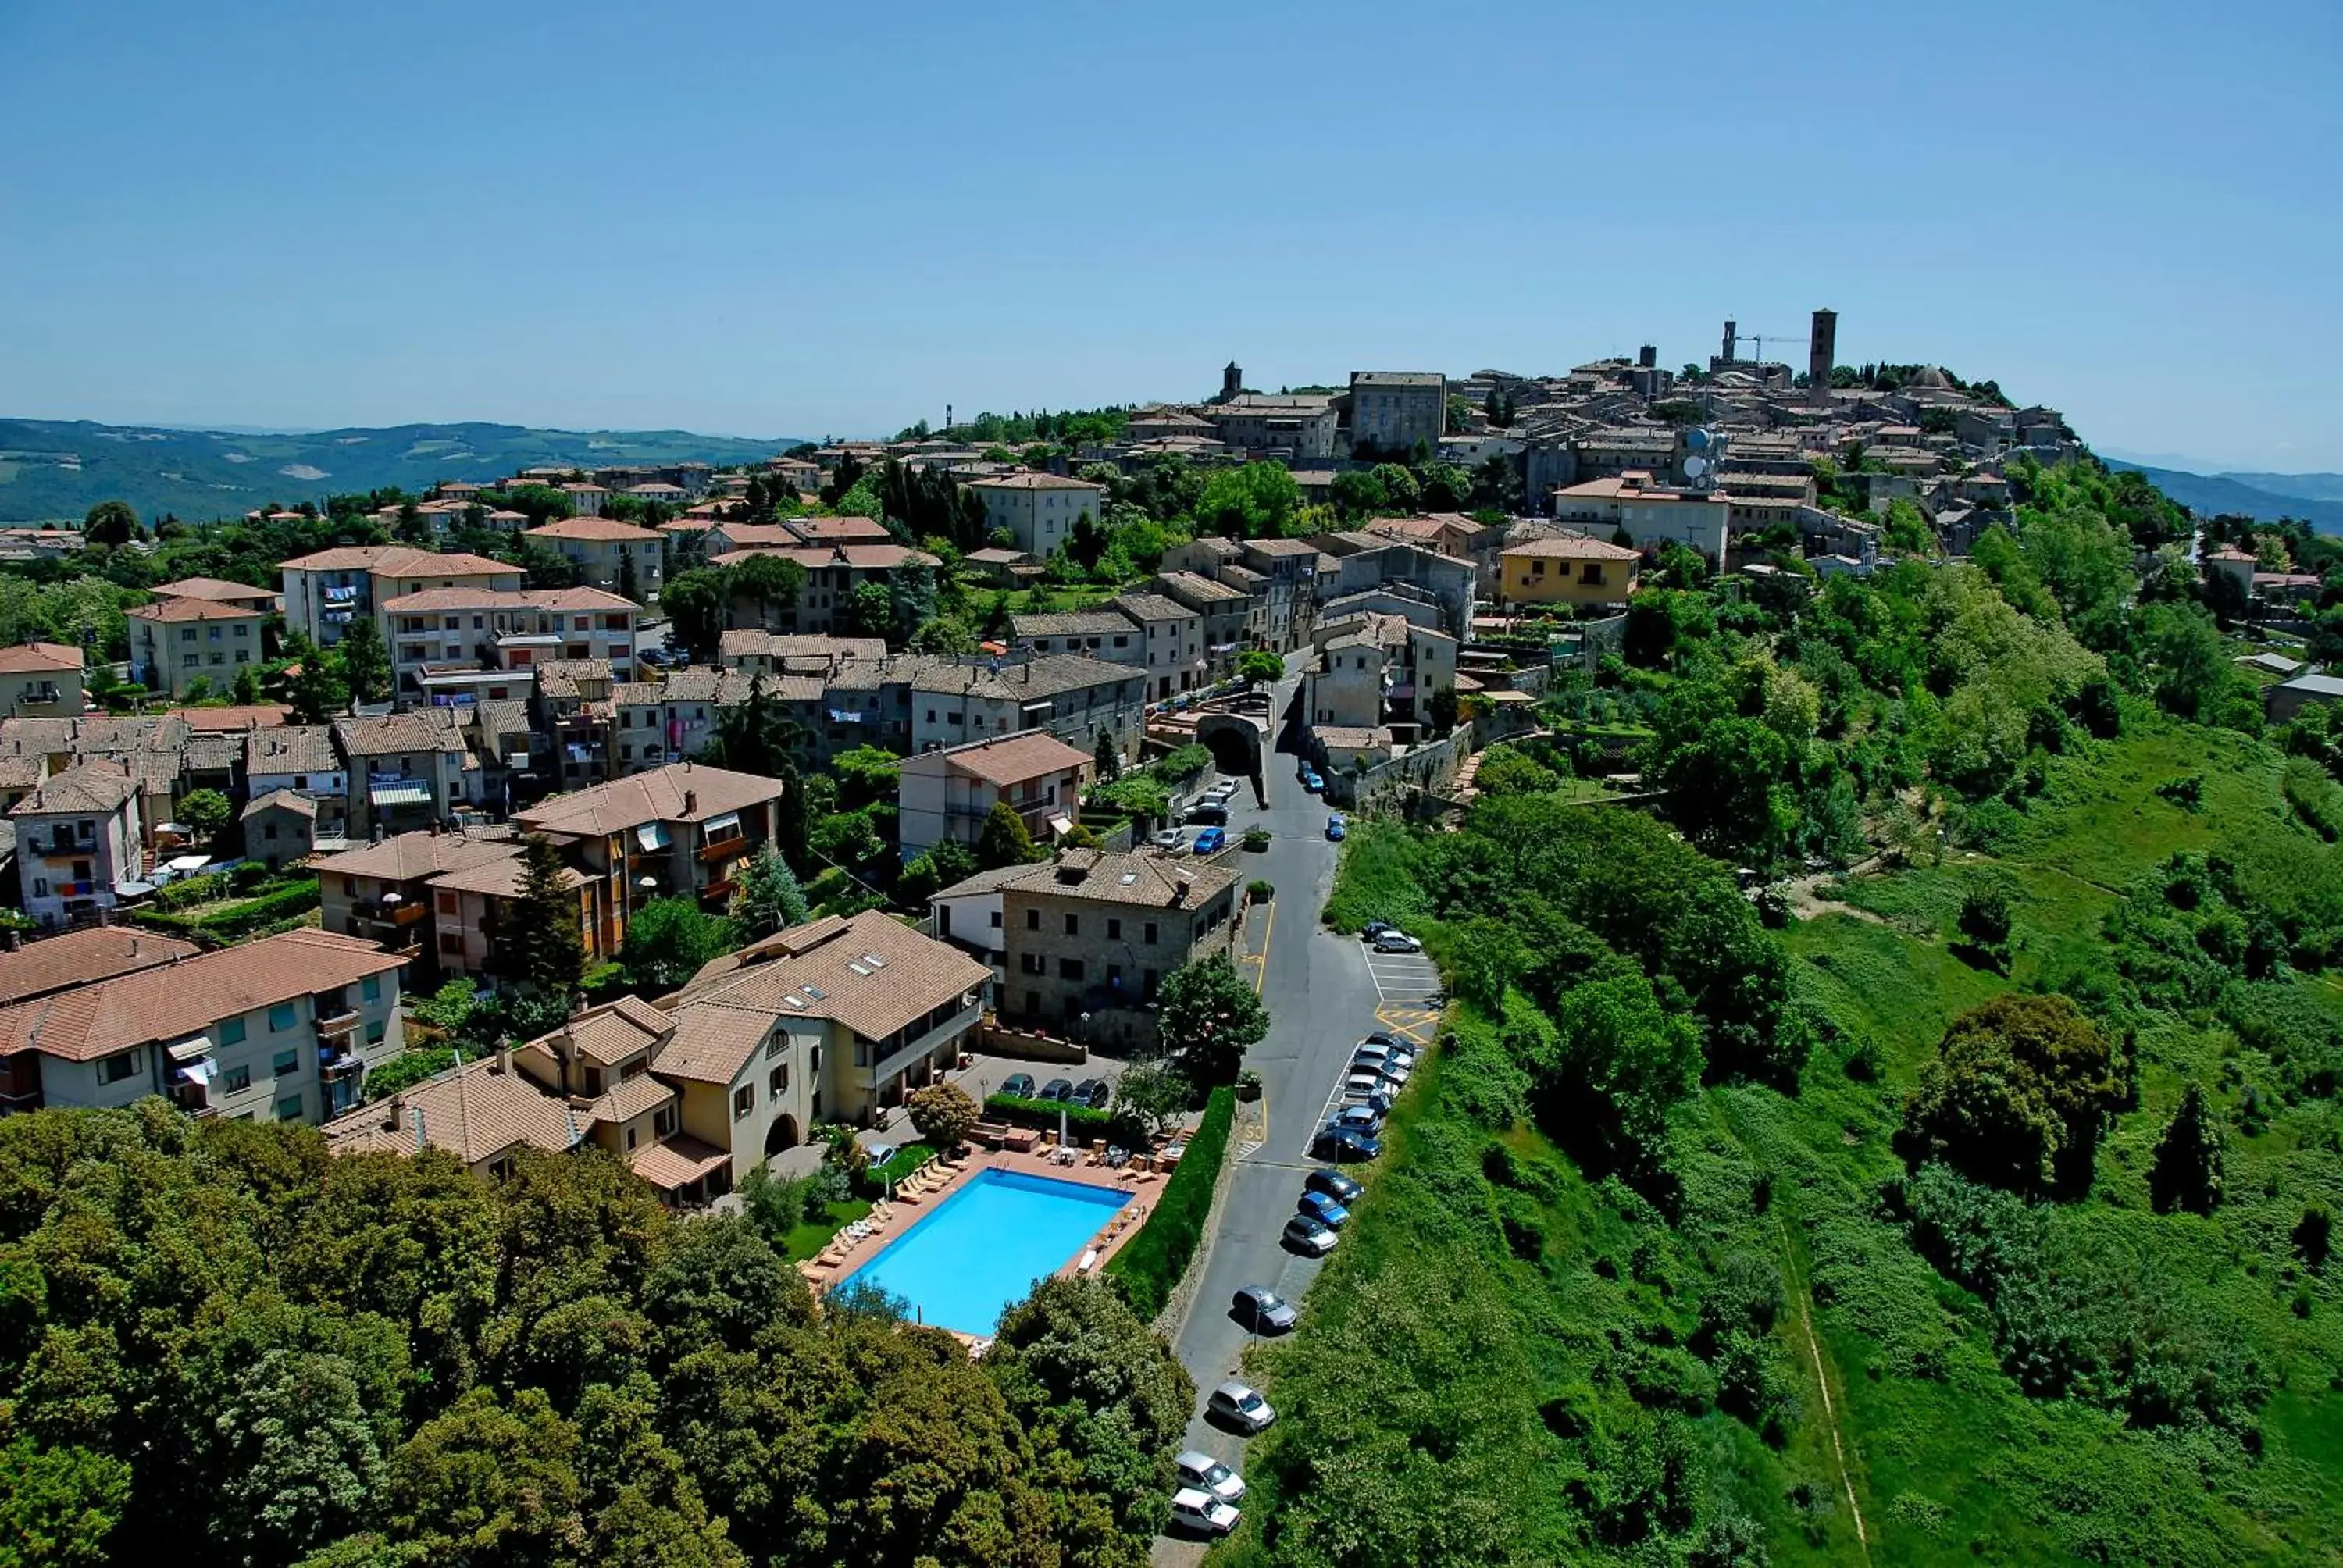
1695 467
1696 440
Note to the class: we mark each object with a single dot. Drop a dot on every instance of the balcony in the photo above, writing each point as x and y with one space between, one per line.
398 915
944 1023
724 848
338 1024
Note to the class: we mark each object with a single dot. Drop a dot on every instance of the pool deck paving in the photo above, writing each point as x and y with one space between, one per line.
907 1212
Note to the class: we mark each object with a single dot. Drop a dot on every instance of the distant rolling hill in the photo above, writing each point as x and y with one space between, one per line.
2213 494
52 468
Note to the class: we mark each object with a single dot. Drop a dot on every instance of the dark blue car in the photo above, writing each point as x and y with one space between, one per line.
1324 1210
1344 1144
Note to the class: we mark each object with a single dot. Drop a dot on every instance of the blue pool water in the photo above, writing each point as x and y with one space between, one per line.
987 1245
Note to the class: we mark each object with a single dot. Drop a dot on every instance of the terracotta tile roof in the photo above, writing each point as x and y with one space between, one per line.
478 597
497 878
630 1097
96 786
1078 623
396 734
282 800
215 752
608 530
1181 586
653 797
748 642
1147 606
863 558
1014 758
179 609
305 749
475 1112
713 1042
253 715
559 679
1096 876
211 588
608 1034
720 1023
91 737
1034 482
1351 739
78 958
38 658
831 530
1572 547
173 1001
1045 675
410 856
678 1162
400 561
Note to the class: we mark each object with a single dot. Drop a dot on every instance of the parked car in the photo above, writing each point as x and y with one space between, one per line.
1202 1513
1369 1085
1209 811
879 1153
1397 942
1060 1088
1205 1474
1263 1310
1392 1060
1304 1234
1312 782
1170 838
1324 1210
1211 840
1336 1141
1368 933
1389 1067
1093 1092
1225 791
1237 1404
1336 827
1019 1084
1366 1119
1335 1185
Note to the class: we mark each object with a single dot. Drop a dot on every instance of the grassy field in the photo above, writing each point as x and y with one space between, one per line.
1529 1322
814 1234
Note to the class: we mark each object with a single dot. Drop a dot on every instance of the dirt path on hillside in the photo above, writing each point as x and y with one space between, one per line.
1801 1308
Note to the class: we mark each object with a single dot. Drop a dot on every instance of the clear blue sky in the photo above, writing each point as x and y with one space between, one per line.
773 218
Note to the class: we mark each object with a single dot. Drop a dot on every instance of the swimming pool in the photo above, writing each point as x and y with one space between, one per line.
984 1246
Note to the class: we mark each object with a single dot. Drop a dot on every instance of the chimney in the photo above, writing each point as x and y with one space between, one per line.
419 1140
504 1062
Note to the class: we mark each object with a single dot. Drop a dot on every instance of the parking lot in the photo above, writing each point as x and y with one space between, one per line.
1402 977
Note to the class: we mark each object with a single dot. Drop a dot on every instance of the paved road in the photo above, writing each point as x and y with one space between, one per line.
1323 996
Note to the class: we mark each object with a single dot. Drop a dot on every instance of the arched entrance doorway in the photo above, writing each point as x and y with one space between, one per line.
783 1134
1236 743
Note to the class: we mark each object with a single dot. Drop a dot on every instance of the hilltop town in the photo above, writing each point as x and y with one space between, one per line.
1765 865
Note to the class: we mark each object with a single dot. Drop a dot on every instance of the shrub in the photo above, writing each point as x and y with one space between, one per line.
943 1113
234 920
1256 839
1081 1119
1260 891
1151 1265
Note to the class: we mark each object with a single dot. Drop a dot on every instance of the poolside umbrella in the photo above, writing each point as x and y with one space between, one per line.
1062 1127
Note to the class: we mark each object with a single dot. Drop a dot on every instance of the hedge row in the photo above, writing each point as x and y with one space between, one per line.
236 920
1081 1121
1151 1265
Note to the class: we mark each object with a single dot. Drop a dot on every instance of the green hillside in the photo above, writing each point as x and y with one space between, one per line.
56 469
1968 1203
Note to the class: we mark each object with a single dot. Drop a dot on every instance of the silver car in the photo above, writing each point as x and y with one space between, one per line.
1263 1310
1205 1474
1241 1406
1309 1235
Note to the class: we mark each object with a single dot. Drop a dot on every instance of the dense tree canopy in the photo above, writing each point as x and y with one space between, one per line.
226 1347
